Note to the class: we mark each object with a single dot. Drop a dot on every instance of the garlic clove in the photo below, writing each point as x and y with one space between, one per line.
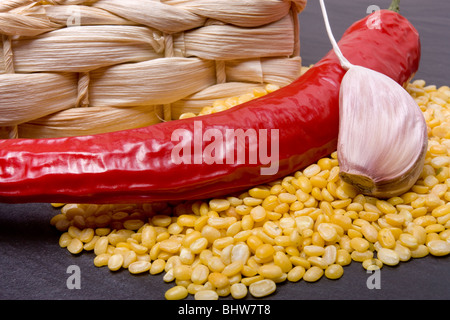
383 136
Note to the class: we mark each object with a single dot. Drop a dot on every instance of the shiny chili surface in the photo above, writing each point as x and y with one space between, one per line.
137 165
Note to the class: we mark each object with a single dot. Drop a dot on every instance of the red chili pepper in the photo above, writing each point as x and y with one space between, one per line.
137 165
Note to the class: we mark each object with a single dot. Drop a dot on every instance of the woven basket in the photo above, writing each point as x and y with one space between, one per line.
76 67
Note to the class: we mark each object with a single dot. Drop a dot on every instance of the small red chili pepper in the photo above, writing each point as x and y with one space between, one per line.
138 165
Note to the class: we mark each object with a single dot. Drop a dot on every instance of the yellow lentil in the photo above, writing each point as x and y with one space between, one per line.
270 271
218 280
199 245
313 274
431 237
334 271
408 240
194 288
258 213
75 246
259 193
359 244
311 170
262 288
287 197
86 235
251 279
327 231
296 274
314 250
211 233
215 264
386 238
170 245
200 274
206 295
439 247
250 201
420 252
361 256
89 246
182 272
238 290
101 260
404 253
369 232
388 256
101 245
115 262
139 267
157 266
134 224
64 240
232 268
161 220
264 251
372 264
176 293
219 204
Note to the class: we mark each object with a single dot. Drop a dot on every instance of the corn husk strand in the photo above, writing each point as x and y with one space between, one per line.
8 5
46 93
85 48
93 120
86 15
27 21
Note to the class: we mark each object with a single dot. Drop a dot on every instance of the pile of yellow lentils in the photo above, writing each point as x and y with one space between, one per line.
305 226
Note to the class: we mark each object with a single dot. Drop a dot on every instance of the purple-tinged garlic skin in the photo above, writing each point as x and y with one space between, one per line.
382 134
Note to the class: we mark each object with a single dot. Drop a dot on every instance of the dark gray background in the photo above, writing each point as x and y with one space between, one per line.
33 266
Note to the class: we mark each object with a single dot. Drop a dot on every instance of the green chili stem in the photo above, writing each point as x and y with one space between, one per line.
395 6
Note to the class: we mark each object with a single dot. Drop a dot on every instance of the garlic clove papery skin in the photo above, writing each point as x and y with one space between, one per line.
383 136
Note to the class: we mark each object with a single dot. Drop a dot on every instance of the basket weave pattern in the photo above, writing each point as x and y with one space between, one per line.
75 67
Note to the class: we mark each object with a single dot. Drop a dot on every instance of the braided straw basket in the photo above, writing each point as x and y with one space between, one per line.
77 67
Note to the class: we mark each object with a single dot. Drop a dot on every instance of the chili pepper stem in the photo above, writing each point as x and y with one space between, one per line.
395 6
345 64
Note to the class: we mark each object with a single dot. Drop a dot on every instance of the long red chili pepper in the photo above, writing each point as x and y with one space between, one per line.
138 165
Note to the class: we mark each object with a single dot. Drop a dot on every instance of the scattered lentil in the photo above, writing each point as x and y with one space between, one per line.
262 288
206 295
